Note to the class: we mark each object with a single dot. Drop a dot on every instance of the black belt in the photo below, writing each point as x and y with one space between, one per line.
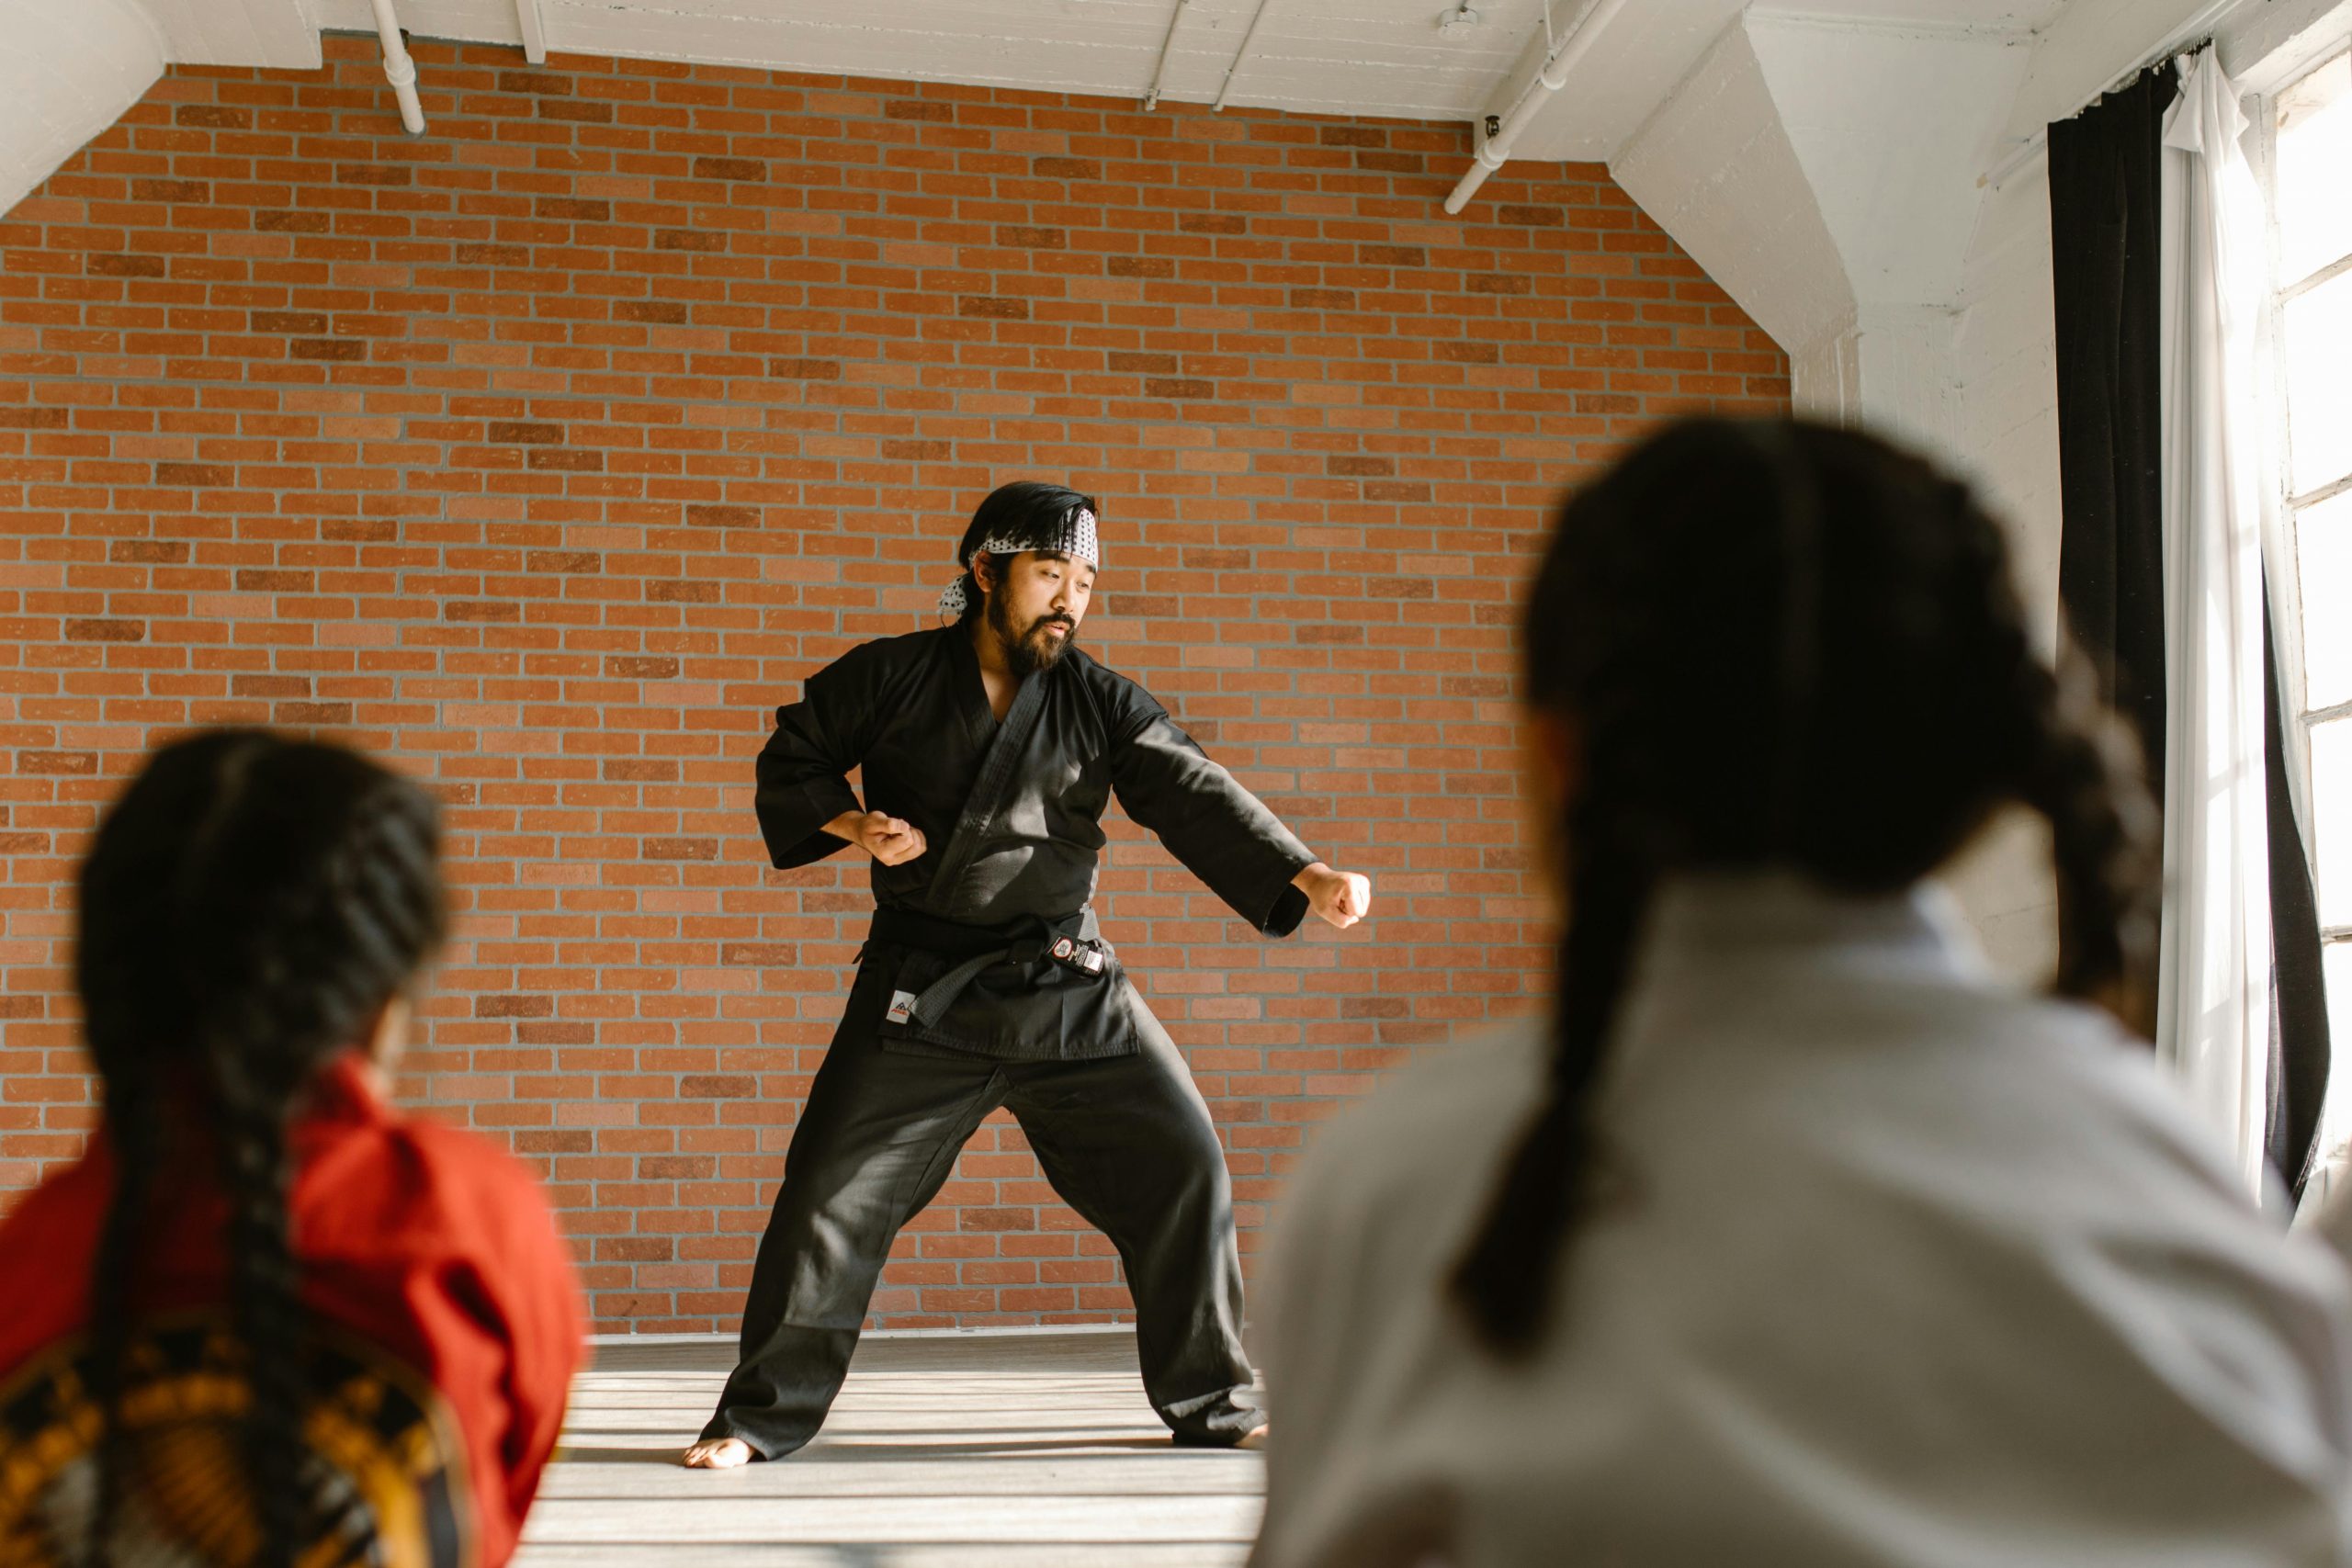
1069 940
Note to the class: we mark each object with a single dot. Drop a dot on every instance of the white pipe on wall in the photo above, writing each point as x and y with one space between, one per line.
399 69
1495 151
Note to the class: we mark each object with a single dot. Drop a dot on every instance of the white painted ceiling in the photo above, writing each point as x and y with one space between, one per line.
2008 16
1371 58
1343 57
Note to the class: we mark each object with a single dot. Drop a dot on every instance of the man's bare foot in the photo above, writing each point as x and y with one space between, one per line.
717 1454
1256 1439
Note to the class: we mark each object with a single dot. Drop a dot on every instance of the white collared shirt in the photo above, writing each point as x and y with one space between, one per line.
1907 1268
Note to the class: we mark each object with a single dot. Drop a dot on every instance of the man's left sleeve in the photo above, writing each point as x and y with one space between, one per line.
1225 835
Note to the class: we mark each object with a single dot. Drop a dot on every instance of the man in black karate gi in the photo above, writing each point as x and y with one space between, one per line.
990 747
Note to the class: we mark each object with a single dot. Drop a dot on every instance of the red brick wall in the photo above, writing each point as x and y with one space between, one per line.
545 454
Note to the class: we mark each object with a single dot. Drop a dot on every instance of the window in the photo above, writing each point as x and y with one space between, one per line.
2311 184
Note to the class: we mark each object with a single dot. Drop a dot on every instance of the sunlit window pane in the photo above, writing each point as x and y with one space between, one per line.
2319 384
2314 171
2311 205
2323 584
2332 818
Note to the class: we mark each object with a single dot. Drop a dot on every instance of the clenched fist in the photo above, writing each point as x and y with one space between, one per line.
888 839
1341 897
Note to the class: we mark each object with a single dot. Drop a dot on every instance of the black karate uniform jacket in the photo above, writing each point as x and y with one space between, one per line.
986 943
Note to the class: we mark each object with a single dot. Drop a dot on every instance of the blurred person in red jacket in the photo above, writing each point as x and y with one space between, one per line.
267 1318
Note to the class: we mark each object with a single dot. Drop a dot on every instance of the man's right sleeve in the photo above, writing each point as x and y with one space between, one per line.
802 768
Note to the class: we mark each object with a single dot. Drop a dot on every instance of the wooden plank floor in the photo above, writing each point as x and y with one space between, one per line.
980 1451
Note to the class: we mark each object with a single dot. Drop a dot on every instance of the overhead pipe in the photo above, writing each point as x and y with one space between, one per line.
1158 77
1495 150
399 69
1226 90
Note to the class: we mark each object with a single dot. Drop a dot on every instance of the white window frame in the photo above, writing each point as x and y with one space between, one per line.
2262 110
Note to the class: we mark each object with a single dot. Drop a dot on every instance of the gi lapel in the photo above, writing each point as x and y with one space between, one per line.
998 769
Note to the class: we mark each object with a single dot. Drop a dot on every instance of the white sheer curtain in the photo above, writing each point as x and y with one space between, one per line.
2213 986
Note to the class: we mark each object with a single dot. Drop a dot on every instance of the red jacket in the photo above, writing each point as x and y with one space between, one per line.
417 1239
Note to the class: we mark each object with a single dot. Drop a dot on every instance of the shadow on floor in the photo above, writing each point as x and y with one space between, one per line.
981 1451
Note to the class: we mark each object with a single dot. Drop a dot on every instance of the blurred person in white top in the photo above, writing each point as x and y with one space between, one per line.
1788 1236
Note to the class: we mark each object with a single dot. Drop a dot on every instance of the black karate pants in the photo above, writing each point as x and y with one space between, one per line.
1127 1140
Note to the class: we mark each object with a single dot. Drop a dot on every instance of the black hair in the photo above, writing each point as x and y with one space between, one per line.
1023 509
248 907
1783 644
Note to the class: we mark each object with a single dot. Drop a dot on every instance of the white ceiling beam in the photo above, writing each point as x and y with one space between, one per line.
535 30
2266 47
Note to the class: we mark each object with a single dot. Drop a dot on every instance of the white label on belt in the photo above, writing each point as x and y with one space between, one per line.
902 1007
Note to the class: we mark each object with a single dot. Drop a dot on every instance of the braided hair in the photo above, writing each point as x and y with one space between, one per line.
248 908
1783 644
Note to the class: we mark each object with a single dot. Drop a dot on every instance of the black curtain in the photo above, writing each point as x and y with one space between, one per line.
2105 171
2299 1047
2105 166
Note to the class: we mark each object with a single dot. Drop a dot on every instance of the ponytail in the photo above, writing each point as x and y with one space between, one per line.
1821 666
1506 1279
2076 774
264 1299
134 1135
248 907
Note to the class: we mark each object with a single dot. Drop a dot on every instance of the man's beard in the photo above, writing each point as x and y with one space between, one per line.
1034 648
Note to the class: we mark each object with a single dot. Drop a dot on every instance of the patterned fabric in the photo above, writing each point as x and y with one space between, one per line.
385 1483
1072 535
424 1246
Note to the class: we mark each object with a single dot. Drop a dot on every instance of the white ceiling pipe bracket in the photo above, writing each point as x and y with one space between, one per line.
1225 90
1495 152
399 69
1158 77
